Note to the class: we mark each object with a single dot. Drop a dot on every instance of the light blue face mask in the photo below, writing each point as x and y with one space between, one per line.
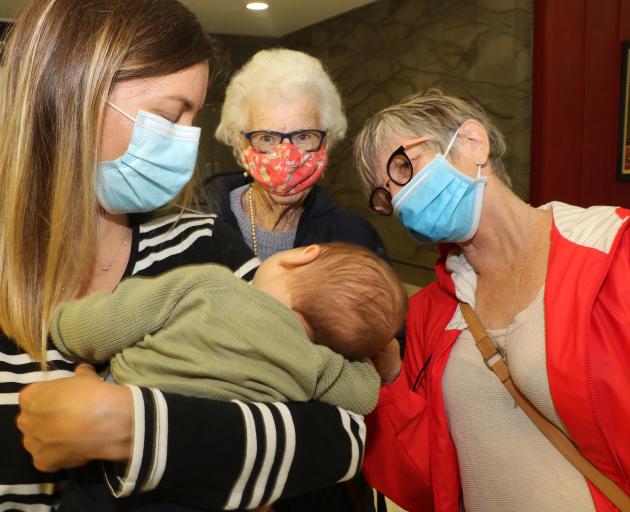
441 204
158 163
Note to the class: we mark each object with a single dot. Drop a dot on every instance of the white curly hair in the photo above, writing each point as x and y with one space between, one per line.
273 75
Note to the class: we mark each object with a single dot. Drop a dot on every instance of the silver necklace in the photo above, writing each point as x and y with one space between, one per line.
111 263
508 329
252 224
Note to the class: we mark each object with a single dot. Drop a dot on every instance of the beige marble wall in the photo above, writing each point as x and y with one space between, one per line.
377 54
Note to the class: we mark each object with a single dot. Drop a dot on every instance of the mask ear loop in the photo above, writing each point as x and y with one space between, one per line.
450 144
120 111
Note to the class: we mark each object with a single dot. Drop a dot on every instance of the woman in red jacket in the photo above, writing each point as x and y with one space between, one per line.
551 287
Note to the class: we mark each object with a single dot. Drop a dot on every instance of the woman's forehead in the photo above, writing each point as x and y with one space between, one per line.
296 113
382 155
189 85
389 143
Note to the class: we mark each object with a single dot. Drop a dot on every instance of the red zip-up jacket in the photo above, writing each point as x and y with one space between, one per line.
410 455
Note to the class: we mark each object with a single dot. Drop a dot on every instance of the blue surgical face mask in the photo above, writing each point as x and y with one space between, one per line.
158 163
441 204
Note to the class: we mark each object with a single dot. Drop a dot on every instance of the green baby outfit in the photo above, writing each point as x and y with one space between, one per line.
202 331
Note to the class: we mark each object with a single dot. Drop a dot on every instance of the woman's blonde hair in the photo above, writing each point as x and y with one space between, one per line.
279 75
62 59
430 113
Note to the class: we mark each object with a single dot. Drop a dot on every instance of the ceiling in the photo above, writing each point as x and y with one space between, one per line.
231 16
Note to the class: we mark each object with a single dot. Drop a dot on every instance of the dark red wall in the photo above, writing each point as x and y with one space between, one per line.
575 118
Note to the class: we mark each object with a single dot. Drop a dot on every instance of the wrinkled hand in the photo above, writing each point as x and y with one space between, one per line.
387 362
68 422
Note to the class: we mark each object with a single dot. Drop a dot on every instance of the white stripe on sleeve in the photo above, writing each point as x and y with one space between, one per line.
163 221
27 489
173 233
358 419
28 378
247 267
354 446
271 438
125 486
23 507
289 451
158 465
9 398
51 355
251 446
170 251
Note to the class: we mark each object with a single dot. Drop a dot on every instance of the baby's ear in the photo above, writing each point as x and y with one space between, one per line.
301 256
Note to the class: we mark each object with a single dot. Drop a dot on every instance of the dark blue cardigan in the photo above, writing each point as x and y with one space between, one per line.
322 221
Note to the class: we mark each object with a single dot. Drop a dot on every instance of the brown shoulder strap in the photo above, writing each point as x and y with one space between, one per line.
494 360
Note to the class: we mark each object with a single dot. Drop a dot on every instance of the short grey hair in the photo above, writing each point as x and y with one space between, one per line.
273 75
429 113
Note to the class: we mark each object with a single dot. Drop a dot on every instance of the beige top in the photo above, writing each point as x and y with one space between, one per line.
505 462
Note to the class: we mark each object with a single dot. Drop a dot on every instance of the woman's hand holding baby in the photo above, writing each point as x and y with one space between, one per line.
68 422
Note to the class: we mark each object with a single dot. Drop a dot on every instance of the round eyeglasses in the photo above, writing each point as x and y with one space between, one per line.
400 171
265 141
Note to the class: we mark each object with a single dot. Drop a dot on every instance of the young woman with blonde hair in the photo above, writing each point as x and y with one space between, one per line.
96 138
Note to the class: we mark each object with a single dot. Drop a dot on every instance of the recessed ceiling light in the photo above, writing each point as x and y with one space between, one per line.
257 6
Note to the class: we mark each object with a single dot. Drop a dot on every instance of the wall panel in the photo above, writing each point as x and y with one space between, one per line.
577 68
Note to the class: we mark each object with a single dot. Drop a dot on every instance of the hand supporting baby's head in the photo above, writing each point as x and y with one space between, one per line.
349 299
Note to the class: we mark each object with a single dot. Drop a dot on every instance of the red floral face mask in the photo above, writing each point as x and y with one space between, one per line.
287 170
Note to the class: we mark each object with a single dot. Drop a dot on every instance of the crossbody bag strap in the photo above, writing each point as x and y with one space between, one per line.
494 360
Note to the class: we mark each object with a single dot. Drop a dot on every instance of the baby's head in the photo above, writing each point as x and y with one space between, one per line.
348 298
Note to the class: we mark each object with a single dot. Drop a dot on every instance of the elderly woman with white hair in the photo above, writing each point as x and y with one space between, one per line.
282 115
532 414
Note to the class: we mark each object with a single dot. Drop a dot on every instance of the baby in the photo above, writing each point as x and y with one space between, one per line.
303 329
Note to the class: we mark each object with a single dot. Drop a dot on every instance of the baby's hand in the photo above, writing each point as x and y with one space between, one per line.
387 362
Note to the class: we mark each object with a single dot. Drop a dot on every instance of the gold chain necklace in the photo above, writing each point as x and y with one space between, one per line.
252 224
111 263
508 328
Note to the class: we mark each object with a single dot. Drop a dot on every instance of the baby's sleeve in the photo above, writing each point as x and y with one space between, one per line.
97 327
351 385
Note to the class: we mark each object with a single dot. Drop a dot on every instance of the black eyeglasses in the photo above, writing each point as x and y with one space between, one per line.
400 171
265 141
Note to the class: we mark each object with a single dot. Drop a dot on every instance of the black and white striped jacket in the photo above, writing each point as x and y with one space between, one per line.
198 452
